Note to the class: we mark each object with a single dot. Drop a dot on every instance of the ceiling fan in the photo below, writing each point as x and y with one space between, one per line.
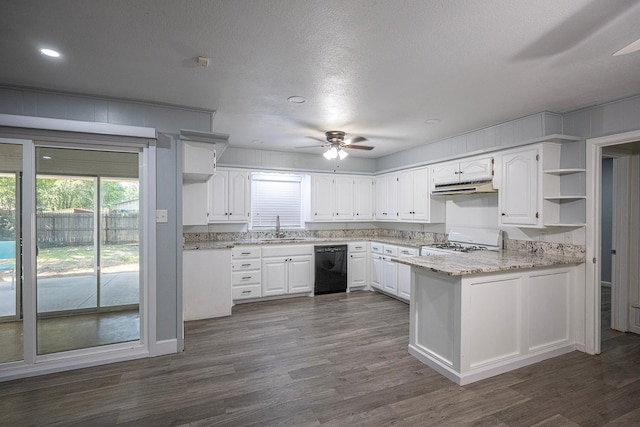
337 145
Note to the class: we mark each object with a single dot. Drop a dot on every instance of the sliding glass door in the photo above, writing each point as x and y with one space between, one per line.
11 333
87 236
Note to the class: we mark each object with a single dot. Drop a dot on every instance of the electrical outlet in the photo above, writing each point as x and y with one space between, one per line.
543 236
162 215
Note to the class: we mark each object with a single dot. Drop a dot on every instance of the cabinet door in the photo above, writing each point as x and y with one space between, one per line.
404 273
344 198
356 270
300 274
218 196
476 170
194 203
198 160
446 173
406 195
274 276
376 271
390 276
404 281
392 196
381 198
238 196
518 196
322 198
421 194
363 198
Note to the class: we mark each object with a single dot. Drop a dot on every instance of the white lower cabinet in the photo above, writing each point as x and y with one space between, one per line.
472 327
390 269
404 273
376 265
357 266
206 283
287 269
246 273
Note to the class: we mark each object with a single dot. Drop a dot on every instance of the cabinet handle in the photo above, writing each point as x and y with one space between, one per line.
246 253
246 277
230 213
246 265
246 292
504 214
456 172
461 172
316 213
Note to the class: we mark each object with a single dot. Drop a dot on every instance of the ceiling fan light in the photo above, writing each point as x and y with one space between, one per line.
342 154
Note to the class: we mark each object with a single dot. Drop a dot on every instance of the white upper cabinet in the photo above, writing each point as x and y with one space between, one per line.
229 196
363 198
537 191
341 198
322 197
468 170
518 196
476 170
387 197
446 173
198 161
344 191
414 200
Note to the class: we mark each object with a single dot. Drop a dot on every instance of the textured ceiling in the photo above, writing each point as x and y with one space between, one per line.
376 68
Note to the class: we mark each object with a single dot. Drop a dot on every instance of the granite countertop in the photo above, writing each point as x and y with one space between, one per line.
461 264
190 246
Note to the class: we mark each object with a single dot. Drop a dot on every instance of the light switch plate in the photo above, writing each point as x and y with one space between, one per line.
162 215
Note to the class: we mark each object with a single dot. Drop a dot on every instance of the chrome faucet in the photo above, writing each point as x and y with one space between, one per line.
278 232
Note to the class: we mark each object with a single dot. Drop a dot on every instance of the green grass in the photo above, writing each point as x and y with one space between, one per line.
80 259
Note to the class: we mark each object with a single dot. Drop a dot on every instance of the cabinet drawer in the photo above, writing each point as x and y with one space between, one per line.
358 247
245 252
245 264
245 277
390 250
376 248
244 292
407 252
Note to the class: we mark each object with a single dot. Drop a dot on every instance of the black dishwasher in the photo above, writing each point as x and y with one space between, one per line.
331 269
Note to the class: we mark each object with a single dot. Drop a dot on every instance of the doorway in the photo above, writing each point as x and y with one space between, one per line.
624 150
81 286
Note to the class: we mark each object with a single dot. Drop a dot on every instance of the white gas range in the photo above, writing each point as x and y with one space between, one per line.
464 240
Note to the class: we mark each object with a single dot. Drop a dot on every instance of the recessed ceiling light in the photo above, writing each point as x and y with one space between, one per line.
432 121
50 52
297 99
630 48
257 141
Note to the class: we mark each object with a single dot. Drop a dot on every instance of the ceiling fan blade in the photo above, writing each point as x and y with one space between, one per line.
359 147
312 146
354 140
316 139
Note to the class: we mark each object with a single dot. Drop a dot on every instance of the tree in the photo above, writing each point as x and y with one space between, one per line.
54 194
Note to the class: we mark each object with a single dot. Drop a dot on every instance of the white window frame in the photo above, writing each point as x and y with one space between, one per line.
281 177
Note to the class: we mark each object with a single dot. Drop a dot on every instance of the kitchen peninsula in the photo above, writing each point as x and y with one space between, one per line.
480 314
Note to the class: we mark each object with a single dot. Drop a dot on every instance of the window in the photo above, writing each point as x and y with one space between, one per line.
274 194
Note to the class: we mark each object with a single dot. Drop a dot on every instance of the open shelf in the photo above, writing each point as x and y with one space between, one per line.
559 198
564 171
566 224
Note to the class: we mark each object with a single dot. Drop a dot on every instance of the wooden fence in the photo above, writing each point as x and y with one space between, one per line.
76 229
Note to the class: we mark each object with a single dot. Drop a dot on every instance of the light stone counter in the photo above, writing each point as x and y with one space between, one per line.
189 246
461 264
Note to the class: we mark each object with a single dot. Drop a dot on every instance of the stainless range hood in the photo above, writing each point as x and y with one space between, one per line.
464 188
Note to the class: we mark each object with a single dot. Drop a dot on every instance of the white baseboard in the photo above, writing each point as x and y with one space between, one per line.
488 371
160 348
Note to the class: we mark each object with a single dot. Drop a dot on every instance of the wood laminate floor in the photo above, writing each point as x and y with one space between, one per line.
332 360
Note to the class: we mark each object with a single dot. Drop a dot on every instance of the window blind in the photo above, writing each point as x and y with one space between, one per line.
273 195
